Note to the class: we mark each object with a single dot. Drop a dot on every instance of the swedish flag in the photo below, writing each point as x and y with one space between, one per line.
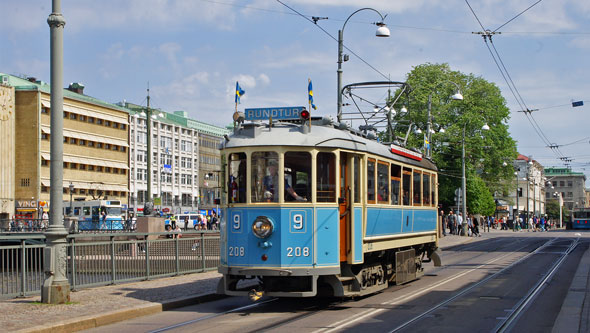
239 92
426 143
310 94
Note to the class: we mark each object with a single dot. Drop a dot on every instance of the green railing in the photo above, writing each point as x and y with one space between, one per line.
99 259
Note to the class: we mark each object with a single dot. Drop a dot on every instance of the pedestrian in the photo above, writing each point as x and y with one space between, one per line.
488 222
214 221
186 223
475 226
176 231
542 223
443 220
530 223
103 219
460 224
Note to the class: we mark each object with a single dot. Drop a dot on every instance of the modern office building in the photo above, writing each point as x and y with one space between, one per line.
570 184
95 150
185 161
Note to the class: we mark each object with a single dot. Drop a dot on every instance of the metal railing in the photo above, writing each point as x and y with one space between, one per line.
23 225
99 259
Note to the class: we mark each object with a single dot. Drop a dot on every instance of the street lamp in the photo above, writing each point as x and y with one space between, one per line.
382 31
516 215
456 97
71 187
485 127
149 206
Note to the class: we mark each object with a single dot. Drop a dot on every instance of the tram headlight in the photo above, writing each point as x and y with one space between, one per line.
262 227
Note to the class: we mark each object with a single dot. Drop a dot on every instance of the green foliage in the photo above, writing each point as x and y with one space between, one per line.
479 198
552 209
485 151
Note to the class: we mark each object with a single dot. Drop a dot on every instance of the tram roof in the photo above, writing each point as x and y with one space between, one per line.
320 136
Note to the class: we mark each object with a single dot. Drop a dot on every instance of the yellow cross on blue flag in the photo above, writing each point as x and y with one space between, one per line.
239 92
310 94
426 143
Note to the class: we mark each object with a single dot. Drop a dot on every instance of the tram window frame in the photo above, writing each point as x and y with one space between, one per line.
382 182
417 195
407 186
395 177
297 172
261 162
433 187
237 176
426 183
325 177
371 168
357 179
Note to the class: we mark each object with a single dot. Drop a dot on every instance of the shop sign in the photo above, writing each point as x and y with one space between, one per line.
26 204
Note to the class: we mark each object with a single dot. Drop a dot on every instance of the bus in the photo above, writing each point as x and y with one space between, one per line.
97 214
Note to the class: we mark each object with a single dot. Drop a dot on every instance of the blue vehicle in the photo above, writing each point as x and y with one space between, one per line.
581 218
319 209
97 214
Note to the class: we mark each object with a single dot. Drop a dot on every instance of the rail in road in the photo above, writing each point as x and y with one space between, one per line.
496 285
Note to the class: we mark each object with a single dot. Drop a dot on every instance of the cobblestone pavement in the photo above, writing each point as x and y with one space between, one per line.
98 306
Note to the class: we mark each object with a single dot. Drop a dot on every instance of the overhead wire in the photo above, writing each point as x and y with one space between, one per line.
512 19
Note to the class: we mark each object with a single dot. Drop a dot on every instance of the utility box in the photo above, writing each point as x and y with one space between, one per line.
148 224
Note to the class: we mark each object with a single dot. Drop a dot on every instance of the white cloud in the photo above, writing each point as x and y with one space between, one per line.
264 79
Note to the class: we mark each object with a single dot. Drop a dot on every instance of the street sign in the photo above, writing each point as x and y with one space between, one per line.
458 192
158 201
284 112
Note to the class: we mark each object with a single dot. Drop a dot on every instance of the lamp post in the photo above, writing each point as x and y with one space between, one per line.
382 31
516 215
148 115
71 187
456 97
485 127
56 287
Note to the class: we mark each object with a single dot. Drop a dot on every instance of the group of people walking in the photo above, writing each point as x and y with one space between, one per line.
457 225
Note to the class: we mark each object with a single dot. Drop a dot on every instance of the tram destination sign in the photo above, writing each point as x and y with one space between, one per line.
278 113
406 152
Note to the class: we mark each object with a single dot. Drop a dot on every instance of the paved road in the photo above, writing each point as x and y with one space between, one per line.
503 279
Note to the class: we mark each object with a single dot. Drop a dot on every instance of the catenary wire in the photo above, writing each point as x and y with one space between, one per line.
531 6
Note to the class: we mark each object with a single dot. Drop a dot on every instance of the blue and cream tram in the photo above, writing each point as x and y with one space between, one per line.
580 218
345 215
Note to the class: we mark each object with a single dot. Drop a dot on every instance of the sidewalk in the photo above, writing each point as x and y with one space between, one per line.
99 306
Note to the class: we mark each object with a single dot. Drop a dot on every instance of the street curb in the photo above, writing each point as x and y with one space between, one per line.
93 321
574 306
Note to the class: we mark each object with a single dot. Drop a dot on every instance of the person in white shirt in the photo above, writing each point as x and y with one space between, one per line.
460 224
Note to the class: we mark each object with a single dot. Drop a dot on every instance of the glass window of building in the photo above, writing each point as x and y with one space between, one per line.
264 182
237 178
326 178
570 183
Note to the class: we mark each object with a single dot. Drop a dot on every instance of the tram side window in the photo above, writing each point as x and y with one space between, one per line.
382 183
371 181
265 178
298 176
357 179
417 188
433 191
237 178
396 173
86 211
326 178
426 189
407 186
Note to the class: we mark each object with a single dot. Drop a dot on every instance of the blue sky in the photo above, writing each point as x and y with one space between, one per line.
192 52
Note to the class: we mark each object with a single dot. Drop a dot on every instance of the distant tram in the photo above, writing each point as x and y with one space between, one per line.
320 209
89 214
581 218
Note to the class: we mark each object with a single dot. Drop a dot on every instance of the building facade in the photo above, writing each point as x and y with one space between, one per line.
570 184
530 186
7 151
185 161
95 150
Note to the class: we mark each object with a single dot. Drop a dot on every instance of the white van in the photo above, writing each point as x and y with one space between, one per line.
193 221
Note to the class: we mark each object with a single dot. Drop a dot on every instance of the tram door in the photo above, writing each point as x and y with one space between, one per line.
345 204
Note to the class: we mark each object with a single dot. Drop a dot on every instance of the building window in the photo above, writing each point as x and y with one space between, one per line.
123 149
91 168
44 189
107 169
99 145
107 146
44 136
66 114
570 194
73 116
82 167
25 182
99 168
99 121
73 141
561 183
123 126
554 183
90 144
82 142
73 166
570 183
91 120
107 123
44 162
45 110
115 125
82 118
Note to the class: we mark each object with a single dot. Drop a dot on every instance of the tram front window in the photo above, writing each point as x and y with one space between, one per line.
237 178
112 211
265 178
297 176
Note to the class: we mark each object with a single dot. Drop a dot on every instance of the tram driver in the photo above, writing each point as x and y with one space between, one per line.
271 184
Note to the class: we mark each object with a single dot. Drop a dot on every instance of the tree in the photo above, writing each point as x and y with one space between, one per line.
485 151
552 209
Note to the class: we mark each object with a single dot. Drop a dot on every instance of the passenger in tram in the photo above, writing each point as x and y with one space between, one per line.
271 183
